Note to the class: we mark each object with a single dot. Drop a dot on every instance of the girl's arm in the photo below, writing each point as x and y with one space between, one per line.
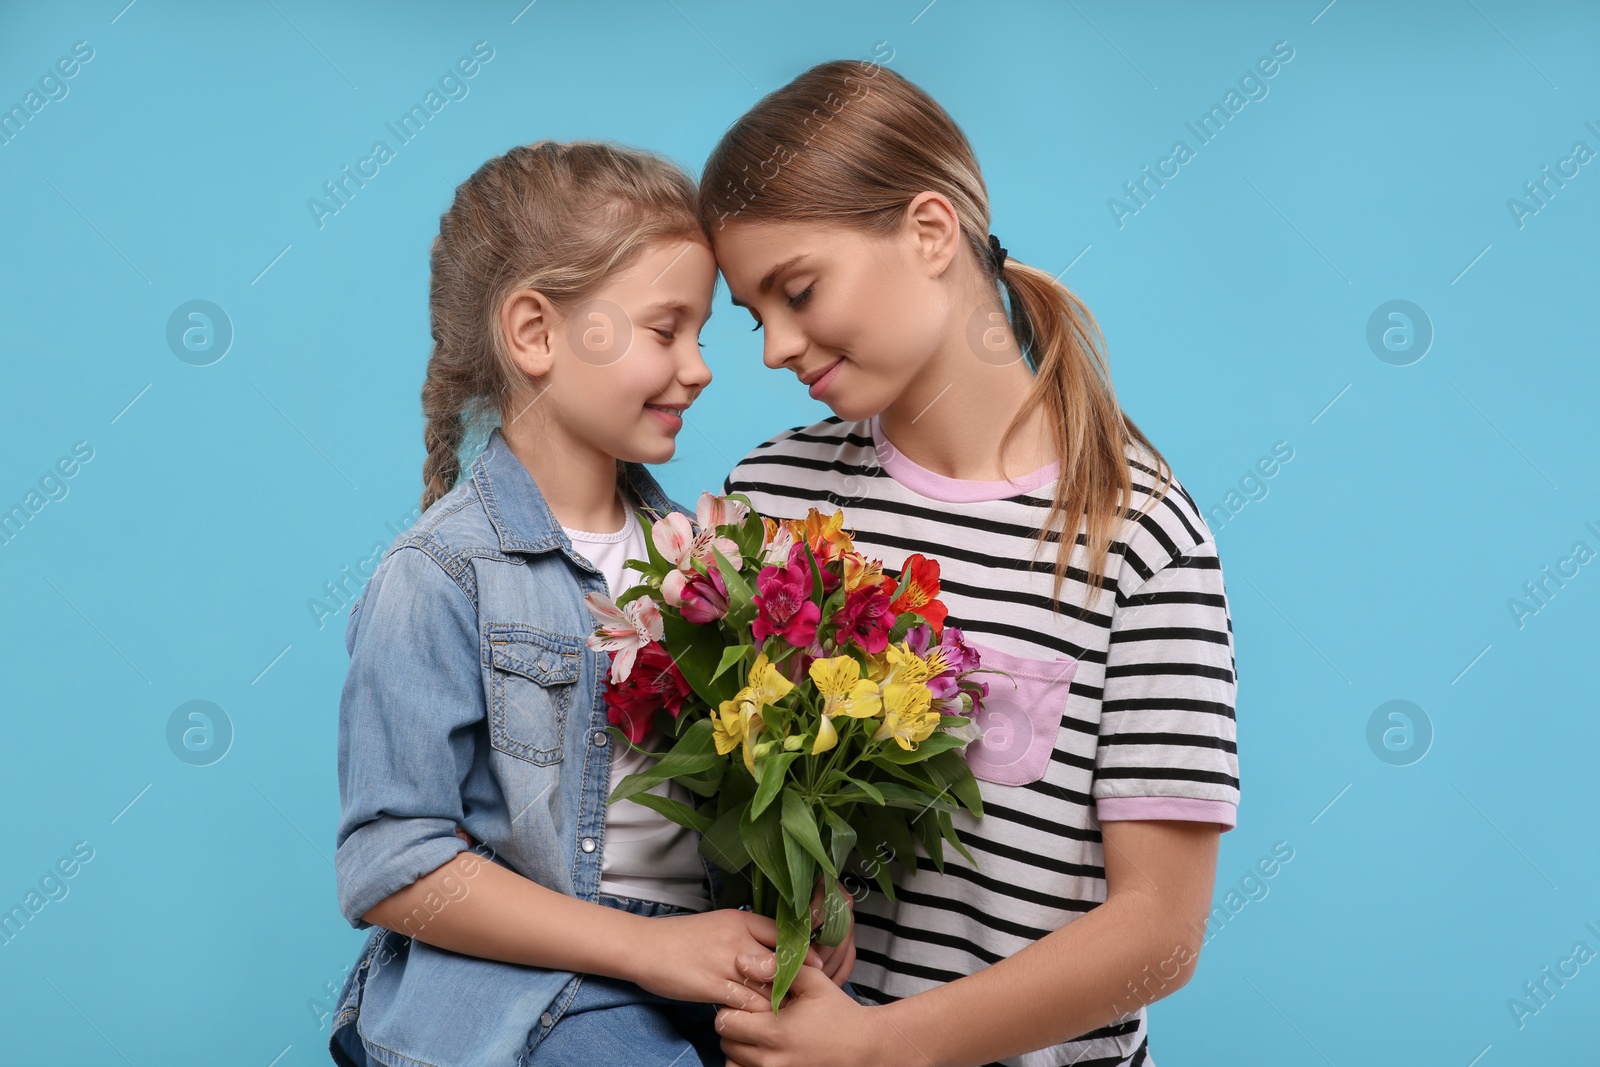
1142 944
410 717
473 906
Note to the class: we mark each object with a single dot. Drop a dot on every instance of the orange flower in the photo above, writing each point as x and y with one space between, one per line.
860 571
826 536
922 591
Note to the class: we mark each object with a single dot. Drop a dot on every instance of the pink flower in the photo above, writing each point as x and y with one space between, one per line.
679 543
704 598
623 630
784 603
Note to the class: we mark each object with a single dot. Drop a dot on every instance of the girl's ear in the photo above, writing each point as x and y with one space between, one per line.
933 229
528 321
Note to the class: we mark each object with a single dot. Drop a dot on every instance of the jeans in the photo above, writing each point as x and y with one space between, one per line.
611 1022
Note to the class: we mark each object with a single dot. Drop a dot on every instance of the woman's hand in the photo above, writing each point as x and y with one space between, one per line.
817 1023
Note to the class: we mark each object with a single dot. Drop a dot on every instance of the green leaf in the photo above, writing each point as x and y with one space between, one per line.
658 562
738 585
868 788
723 845
802 875
947 828
932 746
816 577
676 810
950 769
763 841
841 837
698 651
770 774
794 942
927 828
801 826
694 753
730 655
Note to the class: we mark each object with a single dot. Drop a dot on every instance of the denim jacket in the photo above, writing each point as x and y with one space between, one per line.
471 701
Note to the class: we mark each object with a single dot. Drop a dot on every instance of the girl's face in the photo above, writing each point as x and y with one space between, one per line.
618 370
857 318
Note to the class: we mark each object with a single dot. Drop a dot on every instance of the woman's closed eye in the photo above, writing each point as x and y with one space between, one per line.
794 303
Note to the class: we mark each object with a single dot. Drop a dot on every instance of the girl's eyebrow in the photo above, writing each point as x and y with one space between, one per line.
677 306
766 283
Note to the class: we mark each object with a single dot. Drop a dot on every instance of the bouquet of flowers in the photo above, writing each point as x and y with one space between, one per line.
817 704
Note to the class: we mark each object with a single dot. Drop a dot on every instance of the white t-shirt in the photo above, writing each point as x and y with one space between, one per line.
644 854
1121 711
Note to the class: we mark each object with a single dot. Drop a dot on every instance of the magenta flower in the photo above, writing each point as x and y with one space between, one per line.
704 597
783 600
865 619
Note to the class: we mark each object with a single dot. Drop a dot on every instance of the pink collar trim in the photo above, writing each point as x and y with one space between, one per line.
921 480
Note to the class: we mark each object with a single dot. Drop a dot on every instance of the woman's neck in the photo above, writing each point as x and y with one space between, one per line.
952 416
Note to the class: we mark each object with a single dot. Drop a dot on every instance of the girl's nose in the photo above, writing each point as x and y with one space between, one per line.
695 372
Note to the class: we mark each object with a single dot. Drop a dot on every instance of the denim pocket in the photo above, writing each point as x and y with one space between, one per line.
1020 717
532 675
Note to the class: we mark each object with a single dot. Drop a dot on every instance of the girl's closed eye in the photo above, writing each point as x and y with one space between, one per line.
668 335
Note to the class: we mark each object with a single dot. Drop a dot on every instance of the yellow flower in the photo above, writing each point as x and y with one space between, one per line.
907 666
738 721
827 736
844 692
908 715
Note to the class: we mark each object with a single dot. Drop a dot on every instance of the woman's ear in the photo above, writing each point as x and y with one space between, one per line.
932 228
528 322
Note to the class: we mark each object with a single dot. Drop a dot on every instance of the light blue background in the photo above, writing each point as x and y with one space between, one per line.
1378 565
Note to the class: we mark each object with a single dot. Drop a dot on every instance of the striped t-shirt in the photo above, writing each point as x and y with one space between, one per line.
1122 711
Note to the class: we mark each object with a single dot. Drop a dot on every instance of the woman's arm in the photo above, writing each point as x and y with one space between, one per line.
1142 944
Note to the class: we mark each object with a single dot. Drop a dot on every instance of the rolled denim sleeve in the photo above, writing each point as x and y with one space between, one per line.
408 717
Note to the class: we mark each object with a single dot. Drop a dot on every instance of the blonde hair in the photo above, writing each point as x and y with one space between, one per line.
559 217
850 142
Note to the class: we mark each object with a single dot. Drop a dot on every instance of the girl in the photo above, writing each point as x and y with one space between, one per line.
569 283
849 216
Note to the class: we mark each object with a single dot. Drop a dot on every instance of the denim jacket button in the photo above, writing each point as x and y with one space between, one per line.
546 1019
588 844
599 737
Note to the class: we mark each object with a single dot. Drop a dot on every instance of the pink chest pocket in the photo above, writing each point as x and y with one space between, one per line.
1021 716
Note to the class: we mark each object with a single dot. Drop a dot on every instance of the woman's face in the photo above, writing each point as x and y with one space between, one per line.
856 318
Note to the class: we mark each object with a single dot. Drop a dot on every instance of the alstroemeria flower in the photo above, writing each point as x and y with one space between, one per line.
922 591
948 659
783 601
654 683
826 536
844 692
739 720
623 631
907 716
675 538
704 598
865 619
778 539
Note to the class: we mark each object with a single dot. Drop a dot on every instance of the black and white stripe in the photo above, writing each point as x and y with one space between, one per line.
1148 713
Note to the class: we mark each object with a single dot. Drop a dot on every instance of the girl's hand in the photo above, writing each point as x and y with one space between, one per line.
837 960
695 957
